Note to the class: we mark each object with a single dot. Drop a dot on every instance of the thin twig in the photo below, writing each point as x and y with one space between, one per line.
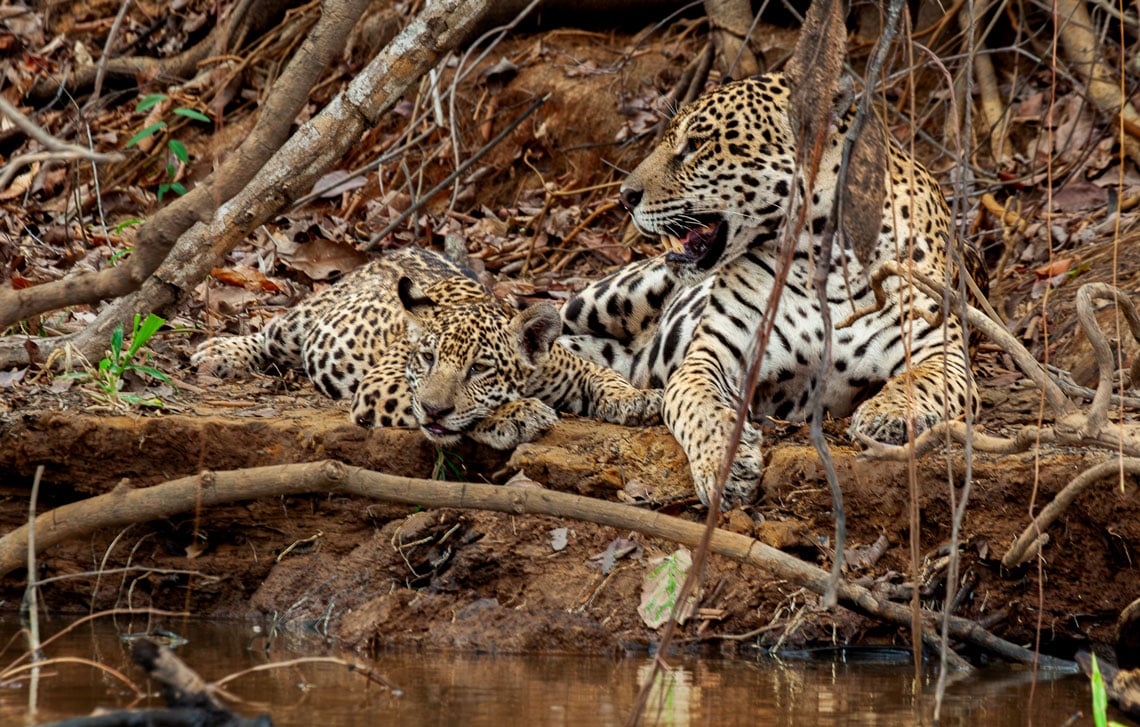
426 197
101 69
56 148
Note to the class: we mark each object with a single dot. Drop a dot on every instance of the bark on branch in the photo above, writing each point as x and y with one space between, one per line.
125 505
196 232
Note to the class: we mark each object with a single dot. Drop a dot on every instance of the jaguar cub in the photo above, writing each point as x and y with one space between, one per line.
417 341
718 187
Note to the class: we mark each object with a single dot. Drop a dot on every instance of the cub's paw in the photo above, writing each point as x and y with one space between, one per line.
512 424
631 407
888 425
227 357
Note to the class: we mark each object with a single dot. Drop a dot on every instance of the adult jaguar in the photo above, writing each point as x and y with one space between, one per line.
718 188
417 341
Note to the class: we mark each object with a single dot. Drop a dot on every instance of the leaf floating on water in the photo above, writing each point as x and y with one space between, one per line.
662 587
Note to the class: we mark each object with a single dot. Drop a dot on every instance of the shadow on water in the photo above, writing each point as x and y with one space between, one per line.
841 688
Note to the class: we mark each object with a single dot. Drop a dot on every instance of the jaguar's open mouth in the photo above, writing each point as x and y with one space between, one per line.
701 246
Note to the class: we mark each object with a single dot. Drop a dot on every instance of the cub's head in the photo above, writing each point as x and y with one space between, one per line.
467 358
721 175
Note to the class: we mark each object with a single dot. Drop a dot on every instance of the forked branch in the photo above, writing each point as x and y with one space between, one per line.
1072 426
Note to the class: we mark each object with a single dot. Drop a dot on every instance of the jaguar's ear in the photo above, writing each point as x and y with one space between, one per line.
414 300
536 328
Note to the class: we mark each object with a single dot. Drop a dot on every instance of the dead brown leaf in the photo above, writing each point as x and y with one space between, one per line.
322 259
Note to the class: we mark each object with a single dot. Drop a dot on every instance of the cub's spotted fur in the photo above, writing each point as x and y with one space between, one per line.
417 341
720 184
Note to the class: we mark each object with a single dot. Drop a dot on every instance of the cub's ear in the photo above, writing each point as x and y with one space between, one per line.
414 300
536 328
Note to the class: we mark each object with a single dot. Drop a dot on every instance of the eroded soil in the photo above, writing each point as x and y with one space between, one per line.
371 574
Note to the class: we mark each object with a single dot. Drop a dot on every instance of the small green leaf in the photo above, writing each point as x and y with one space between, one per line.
117 343
146 102
127 223
150 371
177 187
153 128
179 150
192 114
1099 697
143 332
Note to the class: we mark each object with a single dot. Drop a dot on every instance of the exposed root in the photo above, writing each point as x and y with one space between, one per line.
1072 427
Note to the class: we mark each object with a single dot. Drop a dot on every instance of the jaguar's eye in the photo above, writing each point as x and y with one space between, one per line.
693 145
427 357
479 368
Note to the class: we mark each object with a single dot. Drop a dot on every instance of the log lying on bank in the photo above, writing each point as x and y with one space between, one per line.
124 505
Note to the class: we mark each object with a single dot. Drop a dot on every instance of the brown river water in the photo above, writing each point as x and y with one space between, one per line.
852 688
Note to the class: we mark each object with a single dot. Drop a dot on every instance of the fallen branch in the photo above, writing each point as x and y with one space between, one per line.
124 505
158 234
56 149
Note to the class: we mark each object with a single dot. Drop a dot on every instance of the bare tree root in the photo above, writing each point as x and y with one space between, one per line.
125 505
1033 537
195 232
1072 427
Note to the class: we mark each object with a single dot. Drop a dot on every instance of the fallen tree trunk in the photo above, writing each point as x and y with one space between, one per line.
124 505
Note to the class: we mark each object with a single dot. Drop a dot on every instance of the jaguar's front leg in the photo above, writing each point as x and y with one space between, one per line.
574 384
699 415
934 391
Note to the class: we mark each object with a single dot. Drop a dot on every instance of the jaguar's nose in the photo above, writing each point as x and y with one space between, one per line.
434 413
630 197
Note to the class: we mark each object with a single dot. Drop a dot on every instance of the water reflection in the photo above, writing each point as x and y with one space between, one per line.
449 689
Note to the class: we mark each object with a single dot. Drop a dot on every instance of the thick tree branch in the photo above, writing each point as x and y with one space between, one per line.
158 234
123 506
293 169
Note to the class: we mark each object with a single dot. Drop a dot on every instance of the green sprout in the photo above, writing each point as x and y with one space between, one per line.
448 465
108 375
1100 698
176 147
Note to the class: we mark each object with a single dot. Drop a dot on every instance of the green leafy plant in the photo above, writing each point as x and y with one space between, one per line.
108 375
1100 698
176 147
